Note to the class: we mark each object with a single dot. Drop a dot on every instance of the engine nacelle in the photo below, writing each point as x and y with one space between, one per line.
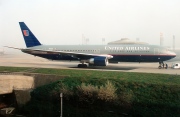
99 61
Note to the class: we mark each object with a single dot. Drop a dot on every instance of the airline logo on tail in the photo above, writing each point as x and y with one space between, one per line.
26 32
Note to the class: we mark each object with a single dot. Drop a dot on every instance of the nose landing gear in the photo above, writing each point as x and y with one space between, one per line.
162 65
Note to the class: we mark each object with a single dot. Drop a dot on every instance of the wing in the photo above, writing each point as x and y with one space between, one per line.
74 54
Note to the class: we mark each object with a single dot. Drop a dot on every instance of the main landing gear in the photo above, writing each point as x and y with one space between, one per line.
82 65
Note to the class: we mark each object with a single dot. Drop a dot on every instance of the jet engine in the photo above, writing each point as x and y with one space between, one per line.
98 61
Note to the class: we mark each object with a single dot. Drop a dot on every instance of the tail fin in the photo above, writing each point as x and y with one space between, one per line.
29 37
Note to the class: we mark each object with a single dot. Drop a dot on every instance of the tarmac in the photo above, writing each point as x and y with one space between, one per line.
26 60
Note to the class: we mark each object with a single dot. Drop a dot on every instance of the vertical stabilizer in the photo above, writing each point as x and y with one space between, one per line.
29 37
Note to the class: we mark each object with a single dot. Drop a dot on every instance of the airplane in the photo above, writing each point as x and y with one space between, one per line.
94 55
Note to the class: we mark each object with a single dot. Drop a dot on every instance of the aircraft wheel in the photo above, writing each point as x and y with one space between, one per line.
91 64
85 65
82 66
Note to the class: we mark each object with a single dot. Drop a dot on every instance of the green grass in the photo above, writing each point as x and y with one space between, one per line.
150 78
12 69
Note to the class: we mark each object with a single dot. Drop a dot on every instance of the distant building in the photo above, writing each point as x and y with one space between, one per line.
126 41
1 51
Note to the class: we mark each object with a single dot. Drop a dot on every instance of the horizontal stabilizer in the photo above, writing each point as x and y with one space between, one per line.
13 47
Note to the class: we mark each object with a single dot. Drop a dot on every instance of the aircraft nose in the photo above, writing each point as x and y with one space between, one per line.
172 53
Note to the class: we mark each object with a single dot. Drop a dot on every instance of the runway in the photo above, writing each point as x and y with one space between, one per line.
25 60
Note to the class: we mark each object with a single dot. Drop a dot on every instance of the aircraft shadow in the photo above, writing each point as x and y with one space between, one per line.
107 68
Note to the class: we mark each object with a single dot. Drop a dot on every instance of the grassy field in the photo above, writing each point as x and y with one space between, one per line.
12 69
105 94
150 78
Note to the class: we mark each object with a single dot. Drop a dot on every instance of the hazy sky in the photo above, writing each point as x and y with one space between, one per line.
59 22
